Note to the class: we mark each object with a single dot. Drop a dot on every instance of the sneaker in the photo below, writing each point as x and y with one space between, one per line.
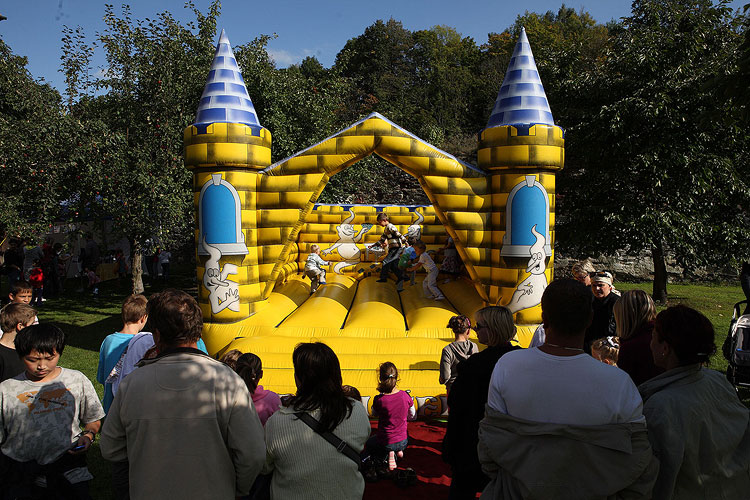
442 297
400 286
381 280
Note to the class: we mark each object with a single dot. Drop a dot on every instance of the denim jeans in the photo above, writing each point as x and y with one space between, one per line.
380 451
390 265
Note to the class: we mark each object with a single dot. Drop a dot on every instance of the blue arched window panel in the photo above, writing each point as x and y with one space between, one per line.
220 218
527 206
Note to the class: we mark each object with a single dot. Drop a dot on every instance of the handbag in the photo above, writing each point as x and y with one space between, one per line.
338 443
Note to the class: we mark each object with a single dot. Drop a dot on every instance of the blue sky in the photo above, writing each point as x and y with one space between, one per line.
304 28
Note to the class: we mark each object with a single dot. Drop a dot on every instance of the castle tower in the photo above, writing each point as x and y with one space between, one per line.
225 148
523 149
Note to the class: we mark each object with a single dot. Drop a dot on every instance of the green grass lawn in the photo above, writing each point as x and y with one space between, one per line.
86 320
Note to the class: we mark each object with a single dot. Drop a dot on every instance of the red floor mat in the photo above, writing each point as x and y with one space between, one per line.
422 455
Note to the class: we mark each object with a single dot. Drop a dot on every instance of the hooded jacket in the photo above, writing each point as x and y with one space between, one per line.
452 355
531 460
700 432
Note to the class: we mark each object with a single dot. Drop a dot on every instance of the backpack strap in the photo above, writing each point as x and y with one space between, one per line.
338 443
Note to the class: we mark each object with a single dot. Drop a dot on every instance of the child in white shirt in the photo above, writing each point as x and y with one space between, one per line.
429 284
314 268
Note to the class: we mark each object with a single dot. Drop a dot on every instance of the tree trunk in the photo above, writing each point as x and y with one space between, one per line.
660 273
137 268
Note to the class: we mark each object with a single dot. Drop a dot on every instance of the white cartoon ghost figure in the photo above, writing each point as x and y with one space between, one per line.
529 292
222 293
415 230
347 244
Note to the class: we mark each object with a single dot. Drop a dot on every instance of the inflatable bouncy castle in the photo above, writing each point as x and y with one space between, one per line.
256 222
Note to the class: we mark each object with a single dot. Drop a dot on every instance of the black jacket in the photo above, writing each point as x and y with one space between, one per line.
466 401
603 324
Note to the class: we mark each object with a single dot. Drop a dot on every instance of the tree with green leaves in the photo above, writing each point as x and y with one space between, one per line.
34 140
149 92
647 173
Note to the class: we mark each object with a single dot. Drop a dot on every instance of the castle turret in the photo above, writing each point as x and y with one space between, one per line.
523 149
225 148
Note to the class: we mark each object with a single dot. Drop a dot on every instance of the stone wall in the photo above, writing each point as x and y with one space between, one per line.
630 268
623 267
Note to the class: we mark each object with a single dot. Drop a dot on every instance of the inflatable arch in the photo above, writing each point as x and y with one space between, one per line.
256 223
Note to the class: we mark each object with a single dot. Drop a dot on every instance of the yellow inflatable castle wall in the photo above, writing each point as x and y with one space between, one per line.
256 222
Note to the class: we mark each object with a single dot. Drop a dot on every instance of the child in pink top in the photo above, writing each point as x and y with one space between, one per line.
393 407
250 368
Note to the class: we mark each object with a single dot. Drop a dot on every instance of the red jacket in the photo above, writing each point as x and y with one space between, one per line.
36 277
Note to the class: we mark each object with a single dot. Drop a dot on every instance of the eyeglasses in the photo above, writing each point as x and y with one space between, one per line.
478 326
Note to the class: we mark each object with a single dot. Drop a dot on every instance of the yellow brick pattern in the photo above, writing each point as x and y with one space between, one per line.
510 158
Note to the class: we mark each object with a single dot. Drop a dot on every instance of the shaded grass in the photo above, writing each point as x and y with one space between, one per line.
87 320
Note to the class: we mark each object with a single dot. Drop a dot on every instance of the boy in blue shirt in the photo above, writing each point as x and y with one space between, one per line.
115 345
134 319
407 258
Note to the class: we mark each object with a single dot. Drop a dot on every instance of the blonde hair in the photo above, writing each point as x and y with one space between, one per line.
607 348
314 248
632 310
499 323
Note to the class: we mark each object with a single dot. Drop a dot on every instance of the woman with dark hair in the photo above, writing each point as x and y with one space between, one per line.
250 368
468 396
304 464
634 316
698 428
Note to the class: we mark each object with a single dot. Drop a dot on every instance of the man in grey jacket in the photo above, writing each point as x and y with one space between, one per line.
183 421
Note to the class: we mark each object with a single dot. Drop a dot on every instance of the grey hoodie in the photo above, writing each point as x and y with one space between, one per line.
453 354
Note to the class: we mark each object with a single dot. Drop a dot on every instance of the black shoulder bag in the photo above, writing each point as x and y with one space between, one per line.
338 443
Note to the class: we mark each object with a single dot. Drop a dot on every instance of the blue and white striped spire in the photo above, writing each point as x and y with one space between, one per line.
521 99
225 98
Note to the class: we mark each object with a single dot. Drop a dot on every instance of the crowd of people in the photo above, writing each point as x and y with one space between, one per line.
44 267
629 411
